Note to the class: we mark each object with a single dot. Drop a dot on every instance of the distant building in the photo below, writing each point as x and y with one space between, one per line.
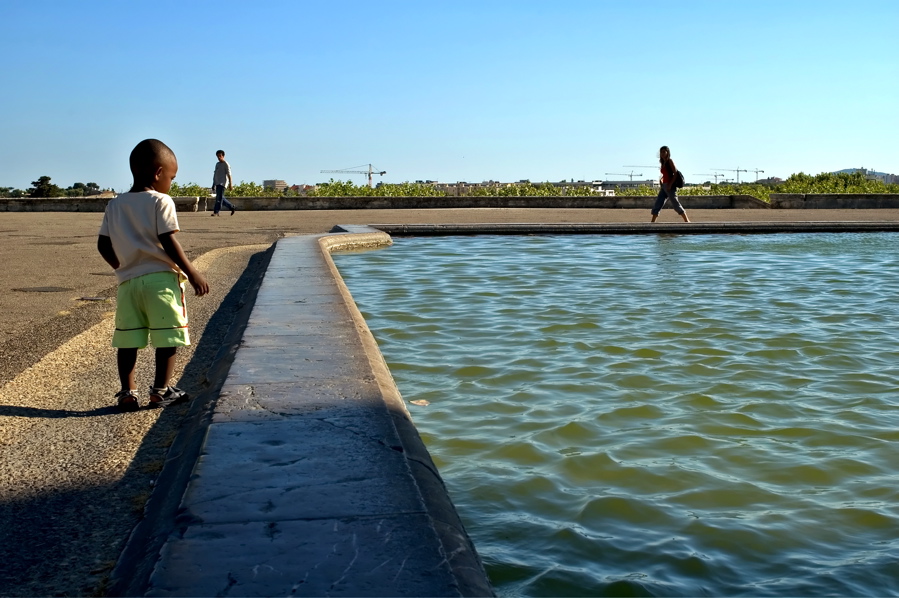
581 183
276 184
302 189
461 187
872 175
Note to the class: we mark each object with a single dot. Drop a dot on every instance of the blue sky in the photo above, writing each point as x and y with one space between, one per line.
489 89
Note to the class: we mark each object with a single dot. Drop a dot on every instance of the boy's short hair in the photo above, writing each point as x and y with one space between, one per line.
147 156
220 153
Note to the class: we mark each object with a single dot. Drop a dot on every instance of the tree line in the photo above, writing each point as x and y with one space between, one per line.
855 182
42 187
826 182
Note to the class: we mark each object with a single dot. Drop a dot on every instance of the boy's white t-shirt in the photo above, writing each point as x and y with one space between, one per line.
133 222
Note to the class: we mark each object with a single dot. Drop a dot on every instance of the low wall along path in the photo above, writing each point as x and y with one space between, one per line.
694 202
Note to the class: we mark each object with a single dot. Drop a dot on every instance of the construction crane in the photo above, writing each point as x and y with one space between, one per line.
371 171
738 170
631 175
715 175
756 171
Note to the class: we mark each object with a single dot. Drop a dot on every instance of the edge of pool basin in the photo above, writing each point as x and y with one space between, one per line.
704 228
312 478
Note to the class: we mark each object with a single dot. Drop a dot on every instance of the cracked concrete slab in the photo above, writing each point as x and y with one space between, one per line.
292 297
303 468
332 397
298 327
321 557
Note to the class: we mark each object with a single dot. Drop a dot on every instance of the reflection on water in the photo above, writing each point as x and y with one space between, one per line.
655 415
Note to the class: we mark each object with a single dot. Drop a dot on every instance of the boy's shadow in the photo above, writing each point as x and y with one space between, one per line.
19 411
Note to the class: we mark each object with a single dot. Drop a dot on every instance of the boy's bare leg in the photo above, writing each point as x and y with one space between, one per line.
684 216
126 359
165 366
654 216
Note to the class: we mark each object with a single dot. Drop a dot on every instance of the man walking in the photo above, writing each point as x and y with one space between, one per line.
221 177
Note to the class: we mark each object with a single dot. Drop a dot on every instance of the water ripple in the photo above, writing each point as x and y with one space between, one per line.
664 415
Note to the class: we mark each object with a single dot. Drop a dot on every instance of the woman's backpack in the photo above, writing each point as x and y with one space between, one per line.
678 175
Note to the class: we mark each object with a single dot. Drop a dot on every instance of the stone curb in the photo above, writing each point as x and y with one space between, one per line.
703 228
312 479
461 553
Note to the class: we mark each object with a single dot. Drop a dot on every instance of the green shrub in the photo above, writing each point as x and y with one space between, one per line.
188 190
528 189
347 189
797 183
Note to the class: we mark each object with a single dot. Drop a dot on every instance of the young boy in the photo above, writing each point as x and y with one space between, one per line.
220 176
137 238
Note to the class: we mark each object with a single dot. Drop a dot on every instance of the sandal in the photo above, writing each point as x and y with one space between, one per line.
169 395
127 400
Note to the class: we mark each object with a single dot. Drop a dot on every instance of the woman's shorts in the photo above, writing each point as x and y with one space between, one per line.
151 306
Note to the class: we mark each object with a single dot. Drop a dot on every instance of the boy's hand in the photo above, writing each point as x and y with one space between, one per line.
173 249
198 282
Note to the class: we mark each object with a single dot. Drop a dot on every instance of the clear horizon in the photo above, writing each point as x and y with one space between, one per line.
503 90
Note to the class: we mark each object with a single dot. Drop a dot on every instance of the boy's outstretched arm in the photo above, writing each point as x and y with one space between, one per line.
104 246
174 250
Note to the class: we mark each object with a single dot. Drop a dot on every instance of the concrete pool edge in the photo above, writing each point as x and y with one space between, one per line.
703 228
312 479
466 563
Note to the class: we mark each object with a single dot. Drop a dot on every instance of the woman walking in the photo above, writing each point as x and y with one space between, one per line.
668 190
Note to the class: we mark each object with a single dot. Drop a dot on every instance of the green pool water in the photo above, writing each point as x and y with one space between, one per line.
655 415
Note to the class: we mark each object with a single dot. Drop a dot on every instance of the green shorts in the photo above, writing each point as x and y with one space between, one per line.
151 306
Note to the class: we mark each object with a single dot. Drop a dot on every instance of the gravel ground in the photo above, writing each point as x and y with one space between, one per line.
74 473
